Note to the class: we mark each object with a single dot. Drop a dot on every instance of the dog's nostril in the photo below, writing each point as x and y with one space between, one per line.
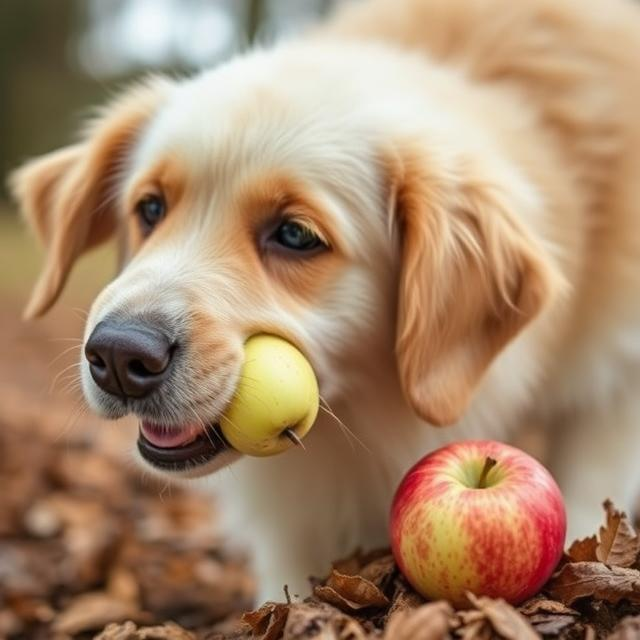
95 360
138 368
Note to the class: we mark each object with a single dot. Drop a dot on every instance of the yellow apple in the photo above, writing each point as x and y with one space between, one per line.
276 400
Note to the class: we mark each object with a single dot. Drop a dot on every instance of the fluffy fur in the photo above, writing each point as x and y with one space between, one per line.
473 165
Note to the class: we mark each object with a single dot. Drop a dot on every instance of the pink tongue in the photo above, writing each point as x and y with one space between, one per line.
169 437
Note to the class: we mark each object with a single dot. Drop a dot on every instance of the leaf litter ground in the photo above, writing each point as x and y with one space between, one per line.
90 549
87 549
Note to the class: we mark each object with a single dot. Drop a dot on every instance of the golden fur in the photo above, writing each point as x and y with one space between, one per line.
473 166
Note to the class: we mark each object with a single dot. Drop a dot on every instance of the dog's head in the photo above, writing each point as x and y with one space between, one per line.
292 195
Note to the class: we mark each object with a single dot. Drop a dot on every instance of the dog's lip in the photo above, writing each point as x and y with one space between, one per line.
181 447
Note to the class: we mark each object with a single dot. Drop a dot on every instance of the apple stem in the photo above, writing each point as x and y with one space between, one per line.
294 437
489 463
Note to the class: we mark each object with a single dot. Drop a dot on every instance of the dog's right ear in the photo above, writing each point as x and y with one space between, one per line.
67 196
472 276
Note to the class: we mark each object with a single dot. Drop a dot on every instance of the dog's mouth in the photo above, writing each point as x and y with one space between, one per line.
180 448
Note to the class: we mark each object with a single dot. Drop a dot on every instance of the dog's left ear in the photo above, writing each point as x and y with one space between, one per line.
471 278
68 197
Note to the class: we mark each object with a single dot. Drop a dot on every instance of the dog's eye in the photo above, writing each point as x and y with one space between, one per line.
151 209
297 237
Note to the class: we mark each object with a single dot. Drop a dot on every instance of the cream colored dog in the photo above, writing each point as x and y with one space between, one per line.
438 201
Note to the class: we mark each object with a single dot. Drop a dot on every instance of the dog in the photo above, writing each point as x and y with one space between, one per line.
436 201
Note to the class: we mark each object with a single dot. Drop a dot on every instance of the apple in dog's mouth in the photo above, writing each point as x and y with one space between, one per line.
180 448
274 406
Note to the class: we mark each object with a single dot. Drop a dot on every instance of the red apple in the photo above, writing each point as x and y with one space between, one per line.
478 516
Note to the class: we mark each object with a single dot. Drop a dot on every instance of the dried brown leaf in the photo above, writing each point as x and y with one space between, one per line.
404 599
507 621
593 579
350 593
93 611
627 629
475 630
122 584
379 571
428 622
115 631
550 624
10 624
268 621
540 604
583 550
548 617
470 616
619 542
129 631
167 631
320 621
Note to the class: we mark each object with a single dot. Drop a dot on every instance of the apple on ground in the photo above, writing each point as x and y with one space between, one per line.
478 516
276 400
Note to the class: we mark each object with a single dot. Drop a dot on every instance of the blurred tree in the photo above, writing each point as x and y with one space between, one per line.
40 89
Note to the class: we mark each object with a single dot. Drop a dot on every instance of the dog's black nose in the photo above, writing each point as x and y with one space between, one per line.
128 360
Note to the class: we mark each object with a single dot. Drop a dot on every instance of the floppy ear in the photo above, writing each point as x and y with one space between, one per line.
471 278
68 196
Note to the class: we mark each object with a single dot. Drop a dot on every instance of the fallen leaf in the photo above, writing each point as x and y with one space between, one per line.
268 621
627 629
122 584
540 604
581 579
548 617
428 622
129 631
583 550
93 611
10 624
320 621
404 599
41 521
507 621
619 542
475 630
350 593
549 624
379 571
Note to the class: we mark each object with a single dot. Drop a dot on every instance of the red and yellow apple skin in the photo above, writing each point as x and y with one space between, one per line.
448 536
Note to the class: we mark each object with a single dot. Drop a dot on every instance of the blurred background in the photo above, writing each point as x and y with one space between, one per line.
85 537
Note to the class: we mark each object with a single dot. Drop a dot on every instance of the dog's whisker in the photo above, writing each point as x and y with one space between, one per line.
63 353
324 406
80 410
166 488
205 429
74 384
83 313
60 373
